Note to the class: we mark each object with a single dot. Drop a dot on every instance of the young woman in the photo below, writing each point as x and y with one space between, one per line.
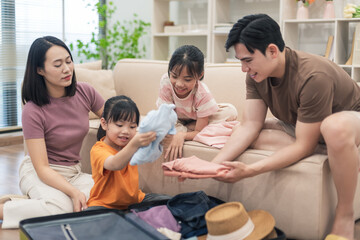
55 121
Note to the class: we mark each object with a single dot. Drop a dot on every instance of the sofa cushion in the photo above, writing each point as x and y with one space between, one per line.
90 65
101 80
220 79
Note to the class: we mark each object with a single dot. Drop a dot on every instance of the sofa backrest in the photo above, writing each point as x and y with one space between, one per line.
227 84
140 80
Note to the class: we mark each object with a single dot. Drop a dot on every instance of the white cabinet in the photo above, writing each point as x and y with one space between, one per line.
206 23
311 35
192 16
227 12
209 22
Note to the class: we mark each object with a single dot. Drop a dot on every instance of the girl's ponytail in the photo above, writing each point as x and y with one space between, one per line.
100 133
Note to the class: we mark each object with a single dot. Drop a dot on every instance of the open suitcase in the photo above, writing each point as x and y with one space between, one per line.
88 225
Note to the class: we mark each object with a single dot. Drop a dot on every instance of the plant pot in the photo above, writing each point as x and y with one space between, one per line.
329 11
302 12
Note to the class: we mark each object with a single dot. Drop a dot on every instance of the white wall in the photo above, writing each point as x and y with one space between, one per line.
143 8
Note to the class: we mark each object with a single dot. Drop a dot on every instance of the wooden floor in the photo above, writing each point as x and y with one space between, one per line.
10 159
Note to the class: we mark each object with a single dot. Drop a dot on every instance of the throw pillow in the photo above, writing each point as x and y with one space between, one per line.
101 80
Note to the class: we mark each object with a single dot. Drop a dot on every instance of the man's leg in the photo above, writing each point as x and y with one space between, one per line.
341 132
274 136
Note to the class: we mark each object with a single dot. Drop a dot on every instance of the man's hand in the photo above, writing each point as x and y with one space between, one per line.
237 172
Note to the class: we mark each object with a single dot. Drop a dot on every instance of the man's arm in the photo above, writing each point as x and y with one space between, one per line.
251 124
307 137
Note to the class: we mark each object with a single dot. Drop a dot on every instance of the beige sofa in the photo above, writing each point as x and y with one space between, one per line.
301 197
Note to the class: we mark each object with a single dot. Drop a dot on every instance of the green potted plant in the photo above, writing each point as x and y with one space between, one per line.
112 44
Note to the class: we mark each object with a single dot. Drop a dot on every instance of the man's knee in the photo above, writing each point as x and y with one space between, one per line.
336 130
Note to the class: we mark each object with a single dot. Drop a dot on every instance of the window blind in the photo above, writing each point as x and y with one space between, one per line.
21 22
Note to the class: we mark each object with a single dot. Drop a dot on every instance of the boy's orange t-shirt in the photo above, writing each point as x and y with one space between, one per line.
112 189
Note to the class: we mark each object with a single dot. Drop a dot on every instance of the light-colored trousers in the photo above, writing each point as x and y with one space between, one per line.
44 200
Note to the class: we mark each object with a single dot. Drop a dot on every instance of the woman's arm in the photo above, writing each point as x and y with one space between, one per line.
123 157
100 112
39 158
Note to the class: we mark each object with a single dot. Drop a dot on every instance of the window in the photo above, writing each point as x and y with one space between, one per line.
21 22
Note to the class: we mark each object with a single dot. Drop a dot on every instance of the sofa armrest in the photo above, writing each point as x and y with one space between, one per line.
88 142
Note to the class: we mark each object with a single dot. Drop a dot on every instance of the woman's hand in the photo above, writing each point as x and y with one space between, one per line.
174 150
79 200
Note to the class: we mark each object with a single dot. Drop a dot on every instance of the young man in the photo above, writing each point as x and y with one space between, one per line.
308 92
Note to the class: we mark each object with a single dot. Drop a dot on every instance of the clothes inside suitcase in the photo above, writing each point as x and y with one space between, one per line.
87 225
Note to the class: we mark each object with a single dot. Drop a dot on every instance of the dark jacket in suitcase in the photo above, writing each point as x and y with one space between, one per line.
88 225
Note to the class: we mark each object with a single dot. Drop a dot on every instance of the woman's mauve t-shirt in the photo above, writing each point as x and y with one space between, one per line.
63 123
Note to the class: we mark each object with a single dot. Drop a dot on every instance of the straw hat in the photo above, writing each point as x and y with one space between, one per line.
230 221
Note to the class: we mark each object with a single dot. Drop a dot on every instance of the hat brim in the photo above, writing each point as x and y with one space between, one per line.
264 223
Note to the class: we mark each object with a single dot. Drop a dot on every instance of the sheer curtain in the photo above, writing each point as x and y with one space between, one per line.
21 22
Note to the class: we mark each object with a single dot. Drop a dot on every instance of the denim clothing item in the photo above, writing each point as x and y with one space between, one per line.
280 235
190 209
150 200
155 197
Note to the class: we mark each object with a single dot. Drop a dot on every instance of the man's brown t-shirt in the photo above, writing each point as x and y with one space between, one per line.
312 89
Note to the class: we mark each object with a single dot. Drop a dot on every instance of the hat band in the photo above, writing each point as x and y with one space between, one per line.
239 234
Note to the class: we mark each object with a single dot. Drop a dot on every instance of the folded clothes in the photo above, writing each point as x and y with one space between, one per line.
216 134
193 167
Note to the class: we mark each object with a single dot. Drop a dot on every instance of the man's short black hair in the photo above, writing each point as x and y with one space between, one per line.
255 32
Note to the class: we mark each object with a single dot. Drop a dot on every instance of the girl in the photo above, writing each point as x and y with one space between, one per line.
195 106
55 122
116 181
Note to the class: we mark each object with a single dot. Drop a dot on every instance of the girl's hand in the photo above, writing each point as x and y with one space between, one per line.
144 139
167 141
174 151
79 201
